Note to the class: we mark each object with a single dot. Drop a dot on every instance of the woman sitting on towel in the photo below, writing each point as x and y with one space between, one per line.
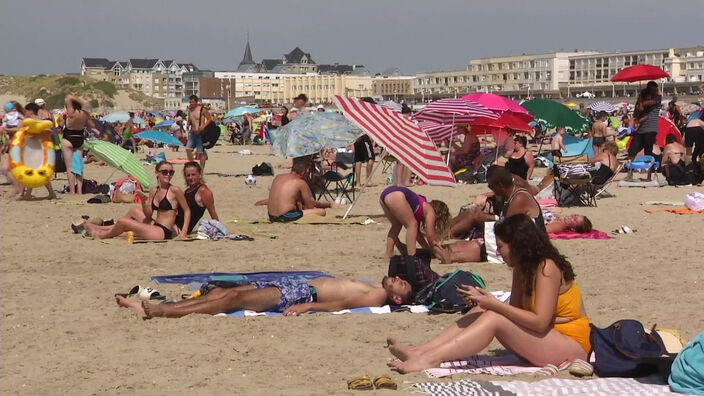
544 322
198 196
165 199
426 222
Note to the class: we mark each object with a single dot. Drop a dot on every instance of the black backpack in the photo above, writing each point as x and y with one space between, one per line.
442 296
263 169
624 349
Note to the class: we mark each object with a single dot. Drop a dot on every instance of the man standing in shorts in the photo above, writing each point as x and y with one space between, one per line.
644 137
198 119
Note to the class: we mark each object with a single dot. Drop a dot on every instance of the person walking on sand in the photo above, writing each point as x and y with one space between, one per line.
76 119
198 118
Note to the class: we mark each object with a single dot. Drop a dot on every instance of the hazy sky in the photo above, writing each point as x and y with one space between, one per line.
51 36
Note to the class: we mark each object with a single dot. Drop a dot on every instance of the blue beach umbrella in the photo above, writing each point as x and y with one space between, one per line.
238 112
164 124
159 137
122 116
309 133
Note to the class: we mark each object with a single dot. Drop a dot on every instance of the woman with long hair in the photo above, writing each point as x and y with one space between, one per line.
165 199
427 222
198 197
544 322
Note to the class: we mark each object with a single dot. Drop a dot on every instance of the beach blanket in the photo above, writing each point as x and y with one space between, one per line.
483 364
194 282
652 385
215 230
313 219
679 211
593 234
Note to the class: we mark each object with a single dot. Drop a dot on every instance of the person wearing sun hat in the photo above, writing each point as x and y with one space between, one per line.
43 113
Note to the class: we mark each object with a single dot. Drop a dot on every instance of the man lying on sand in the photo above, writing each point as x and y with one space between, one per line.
289 296
290 196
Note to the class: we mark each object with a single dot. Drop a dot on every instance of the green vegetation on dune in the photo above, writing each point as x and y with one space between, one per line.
54 88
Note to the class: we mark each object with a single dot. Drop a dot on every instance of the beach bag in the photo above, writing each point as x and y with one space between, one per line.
211 133
687 375
694 201
263 169
625 349
441 296
125 190
90 186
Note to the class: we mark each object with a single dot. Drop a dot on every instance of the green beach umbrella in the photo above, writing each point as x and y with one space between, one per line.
554 114
120 159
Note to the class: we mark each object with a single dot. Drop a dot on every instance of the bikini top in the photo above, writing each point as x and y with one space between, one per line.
164 204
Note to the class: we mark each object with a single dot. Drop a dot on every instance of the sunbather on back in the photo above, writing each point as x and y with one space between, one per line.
286 295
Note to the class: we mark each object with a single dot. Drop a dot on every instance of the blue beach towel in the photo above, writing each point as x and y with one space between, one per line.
687 375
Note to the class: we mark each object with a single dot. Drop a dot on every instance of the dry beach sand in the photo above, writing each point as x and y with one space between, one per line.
62 332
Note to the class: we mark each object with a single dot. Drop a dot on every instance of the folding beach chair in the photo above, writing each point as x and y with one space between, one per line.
602 191
573 190
644 164
337 185
387 162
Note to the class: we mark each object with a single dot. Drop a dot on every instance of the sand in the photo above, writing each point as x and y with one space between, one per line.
62 332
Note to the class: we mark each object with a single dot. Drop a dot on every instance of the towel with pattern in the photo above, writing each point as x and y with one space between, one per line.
483 364
652 385
679 211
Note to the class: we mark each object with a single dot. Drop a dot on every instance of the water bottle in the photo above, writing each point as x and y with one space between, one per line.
130 237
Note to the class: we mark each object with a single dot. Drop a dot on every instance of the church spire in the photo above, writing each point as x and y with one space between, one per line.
247 59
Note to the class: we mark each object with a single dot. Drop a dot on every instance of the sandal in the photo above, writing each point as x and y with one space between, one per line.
580 368
384 382
149 293
134 290
548 371
363 382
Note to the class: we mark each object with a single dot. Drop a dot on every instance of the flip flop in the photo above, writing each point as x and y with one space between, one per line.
136 289
149 293
384 382
363 382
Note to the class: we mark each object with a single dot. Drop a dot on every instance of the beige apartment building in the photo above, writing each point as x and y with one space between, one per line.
392 87
282 88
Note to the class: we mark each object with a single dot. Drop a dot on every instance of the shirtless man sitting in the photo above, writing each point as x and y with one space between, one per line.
288 296
509 199
290 196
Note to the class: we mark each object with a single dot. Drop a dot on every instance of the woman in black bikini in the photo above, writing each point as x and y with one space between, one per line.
521 162
608 164
166 199
198 196
75 123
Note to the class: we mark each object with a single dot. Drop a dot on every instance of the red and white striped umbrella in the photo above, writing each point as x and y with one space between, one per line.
400 137
438 133
453 111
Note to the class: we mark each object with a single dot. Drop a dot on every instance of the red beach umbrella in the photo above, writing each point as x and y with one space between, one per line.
639 73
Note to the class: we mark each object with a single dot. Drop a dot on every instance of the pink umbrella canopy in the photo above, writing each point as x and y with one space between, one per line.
401 137
453 111
495 102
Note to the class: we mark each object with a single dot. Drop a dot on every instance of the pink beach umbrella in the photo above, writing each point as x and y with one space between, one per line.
495 102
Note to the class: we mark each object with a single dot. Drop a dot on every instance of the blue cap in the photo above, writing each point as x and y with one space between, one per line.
9 107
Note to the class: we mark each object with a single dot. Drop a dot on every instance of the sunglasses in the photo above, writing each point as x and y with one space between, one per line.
167 172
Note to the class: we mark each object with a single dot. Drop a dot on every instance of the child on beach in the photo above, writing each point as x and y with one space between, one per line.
557 145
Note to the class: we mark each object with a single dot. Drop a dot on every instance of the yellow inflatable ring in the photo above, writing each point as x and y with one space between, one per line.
32 156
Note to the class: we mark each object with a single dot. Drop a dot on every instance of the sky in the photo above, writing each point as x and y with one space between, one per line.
51 36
